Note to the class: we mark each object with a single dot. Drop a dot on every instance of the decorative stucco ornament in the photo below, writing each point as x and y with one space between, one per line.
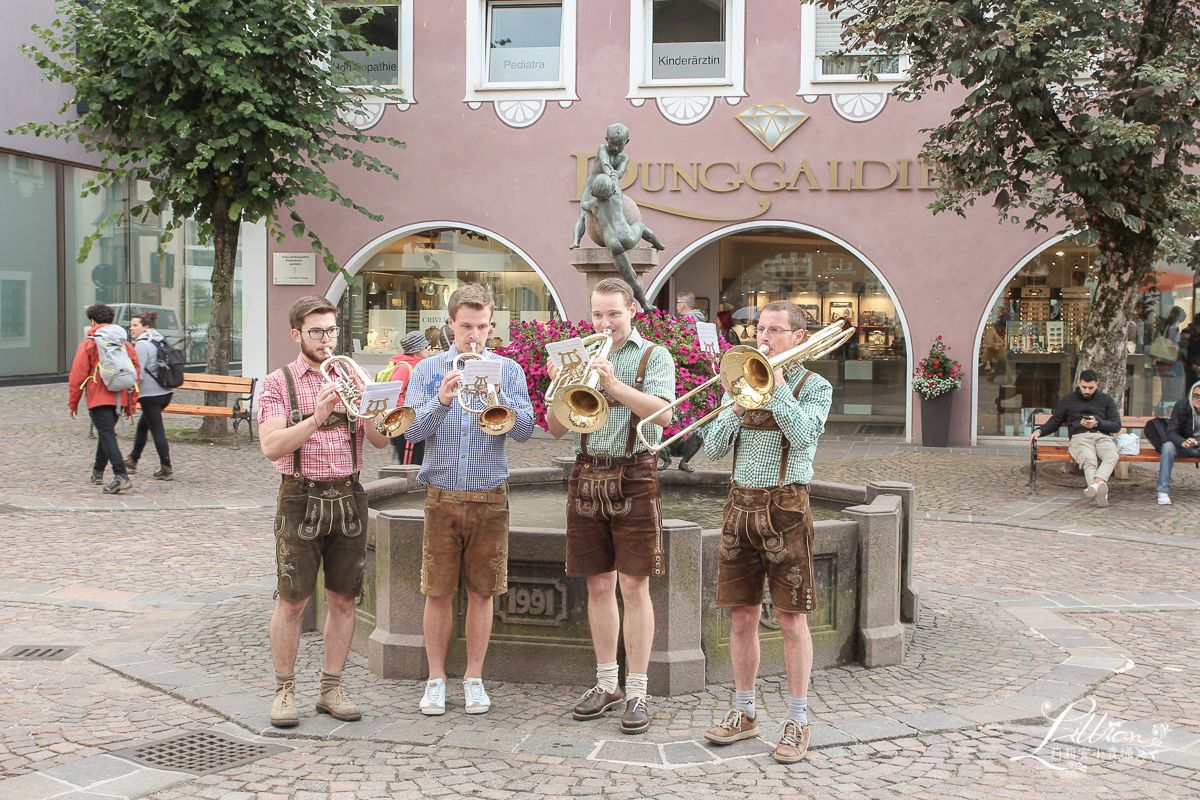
771 123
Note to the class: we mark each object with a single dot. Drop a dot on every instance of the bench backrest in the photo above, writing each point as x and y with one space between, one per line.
1126 422
216 383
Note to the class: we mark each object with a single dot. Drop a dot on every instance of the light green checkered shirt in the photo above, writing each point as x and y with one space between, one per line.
801 419
660 382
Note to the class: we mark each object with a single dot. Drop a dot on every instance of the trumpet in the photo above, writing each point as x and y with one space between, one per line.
749 376
493 417
349 388
573 396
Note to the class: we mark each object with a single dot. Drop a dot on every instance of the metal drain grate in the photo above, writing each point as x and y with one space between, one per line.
36 652
8 508
200 753
880 429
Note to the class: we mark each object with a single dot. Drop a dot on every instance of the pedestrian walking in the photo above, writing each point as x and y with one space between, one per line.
414 347
152 396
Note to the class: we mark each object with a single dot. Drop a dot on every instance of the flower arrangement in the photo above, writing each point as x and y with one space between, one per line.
527 346
937 373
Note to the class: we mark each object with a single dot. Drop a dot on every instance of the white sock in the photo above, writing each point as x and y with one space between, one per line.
606 676
798 709
635 685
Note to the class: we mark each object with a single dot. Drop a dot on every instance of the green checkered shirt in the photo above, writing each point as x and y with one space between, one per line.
660 382
801 419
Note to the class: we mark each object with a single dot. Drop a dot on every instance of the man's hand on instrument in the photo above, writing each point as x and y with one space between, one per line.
780 380
552 369
604 369
739 409
446 392
327 398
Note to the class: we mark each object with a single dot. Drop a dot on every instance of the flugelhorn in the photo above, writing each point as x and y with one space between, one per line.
749 376
573 397
390 423
493 417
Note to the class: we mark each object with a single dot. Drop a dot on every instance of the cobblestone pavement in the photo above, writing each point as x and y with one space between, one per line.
1029 605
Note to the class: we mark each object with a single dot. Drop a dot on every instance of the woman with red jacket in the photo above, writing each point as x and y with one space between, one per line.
102 403
413 347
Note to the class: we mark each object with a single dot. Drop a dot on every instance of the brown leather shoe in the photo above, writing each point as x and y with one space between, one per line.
595 702
283 708
736 725
637 715
794 744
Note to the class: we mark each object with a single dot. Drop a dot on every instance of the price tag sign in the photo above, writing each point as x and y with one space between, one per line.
569 354
379 397
706 333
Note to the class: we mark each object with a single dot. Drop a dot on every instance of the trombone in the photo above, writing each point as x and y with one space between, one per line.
493 417
389 423
573 397
749 376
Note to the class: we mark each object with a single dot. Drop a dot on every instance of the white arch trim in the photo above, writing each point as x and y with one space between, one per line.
1032 254
687 252
359 259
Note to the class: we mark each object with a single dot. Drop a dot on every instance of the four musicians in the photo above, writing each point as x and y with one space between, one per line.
614 517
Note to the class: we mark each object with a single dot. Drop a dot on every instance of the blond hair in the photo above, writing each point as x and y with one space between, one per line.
615 286
796 316
309 304
470 294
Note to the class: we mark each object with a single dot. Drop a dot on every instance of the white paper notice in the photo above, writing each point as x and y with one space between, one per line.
379 397
706 333
295 269
568 354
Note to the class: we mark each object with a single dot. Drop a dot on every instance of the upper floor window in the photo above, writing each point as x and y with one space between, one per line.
381 64
828 35
524 44
688 41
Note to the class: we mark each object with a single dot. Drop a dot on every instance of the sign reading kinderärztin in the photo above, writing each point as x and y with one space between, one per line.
523 64
688 60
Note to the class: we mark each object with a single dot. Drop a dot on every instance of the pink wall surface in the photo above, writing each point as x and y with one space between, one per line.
470 168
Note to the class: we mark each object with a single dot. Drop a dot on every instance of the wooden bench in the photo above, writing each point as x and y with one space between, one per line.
1042 450
203 382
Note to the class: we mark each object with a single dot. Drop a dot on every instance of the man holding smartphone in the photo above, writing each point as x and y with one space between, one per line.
1091 418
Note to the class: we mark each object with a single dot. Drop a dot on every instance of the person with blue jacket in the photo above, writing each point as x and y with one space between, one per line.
152 397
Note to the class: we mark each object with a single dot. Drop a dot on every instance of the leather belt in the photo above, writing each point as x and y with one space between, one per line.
497 495
602 463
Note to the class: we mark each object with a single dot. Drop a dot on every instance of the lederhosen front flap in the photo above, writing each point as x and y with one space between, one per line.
634 419
760 419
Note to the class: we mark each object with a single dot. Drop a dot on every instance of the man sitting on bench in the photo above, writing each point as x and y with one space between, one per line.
1183 433
1091 418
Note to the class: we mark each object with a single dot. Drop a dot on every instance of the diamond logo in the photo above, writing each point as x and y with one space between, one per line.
772 122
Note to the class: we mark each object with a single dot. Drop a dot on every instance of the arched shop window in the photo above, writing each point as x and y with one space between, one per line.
734 277
405 287
1028 350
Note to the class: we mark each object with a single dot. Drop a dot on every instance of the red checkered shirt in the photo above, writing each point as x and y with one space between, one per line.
326 454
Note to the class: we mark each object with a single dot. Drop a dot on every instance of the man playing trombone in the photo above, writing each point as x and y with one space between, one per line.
465 471
614 513
768 531
321 517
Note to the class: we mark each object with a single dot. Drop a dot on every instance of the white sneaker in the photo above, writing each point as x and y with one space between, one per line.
478 701
1102 494
433 704
1164 499
1090 491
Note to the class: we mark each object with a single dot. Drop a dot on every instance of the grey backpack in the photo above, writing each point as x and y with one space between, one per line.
115 366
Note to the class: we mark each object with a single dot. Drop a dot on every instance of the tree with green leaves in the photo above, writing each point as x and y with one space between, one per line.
230 108
1077 114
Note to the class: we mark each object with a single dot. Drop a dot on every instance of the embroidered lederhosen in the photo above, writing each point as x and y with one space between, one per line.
753 543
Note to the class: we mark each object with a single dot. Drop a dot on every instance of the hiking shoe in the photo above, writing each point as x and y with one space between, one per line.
478 701
118 484
283 707
1102 494
637 715
595 702
794 744
131 465
163 474
97 477
433 704
335 703
736 725
1164 499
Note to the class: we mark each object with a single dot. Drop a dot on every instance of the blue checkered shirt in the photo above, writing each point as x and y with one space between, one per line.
459 456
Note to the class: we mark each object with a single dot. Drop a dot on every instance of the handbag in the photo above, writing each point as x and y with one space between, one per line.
1163 349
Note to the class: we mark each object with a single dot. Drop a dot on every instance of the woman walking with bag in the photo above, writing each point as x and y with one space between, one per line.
152 398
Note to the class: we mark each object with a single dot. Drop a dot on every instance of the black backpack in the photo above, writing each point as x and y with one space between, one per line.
170 365
1156 432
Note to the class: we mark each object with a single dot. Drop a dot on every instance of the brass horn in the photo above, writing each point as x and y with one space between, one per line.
494 418
573 397
391 423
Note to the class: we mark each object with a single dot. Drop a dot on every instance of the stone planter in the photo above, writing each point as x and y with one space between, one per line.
935 420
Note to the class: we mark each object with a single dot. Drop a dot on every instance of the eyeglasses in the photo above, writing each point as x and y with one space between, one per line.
1195 396
317 334
773 331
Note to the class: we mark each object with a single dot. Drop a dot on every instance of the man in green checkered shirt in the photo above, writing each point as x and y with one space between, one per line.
768 530
614 510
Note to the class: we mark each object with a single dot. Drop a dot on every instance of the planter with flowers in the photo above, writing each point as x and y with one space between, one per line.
936 379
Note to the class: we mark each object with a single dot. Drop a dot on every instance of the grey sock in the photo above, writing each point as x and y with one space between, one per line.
745 701
798 709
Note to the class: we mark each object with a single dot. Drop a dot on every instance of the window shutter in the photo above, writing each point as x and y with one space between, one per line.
828 33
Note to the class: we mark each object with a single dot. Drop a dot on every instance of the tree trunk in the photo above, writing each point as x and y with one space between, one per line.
225 232
1124 261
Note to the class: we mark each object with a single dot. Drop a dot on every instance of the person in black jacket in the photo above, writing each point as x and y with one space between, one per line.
1091 418
1183 439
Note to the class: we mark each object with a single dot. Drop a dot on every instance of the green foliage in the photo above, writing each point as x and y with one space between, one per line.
228 106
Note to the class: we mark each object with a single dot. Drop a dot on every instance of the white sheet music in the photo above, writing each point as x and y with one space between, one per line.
476 368
379 397
706 333
568 354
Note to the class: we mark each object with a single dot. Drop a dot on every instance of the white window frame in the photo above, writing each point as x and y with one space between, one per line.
641 46
813 81
479 89
404 58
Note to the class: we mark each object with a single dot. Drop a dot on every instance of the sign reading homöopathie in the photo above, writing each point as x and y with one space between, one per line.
294 269
381 66
523 64
688 60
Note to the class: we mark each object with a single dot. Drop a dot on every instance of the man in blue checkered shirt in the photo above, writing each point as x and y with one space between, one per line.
466 508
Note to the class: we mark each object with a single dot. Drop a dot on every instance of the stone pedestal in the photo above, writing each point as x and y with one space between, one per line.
596 264
676 657
881 636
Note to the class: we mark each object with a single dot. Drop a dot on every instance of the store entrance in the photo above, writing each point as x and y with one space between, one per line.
735 276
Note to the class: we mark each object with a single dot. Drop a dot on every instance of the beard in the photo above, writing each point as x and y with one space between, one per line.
314 351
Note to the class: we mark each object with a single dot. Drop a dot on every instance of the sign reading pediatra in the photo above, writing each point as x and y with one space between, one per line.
295 269
523 64
688 60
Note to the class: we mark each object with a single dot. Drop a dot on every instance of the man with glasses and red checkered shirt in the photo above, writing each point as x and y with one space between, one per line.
321 517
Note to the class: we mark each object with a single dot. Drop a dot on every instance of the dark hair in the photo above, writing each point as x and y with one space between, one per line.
1089 375
149 319
101 314
310 304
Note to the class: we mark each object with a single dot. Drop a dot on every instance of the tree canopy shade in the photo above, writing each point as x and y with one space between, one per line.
229 107
1078 114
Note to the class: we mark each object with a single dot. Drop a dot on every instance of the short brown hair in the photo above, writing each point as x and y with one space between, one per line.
149 319
470 294
796 316
615 286
309 304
